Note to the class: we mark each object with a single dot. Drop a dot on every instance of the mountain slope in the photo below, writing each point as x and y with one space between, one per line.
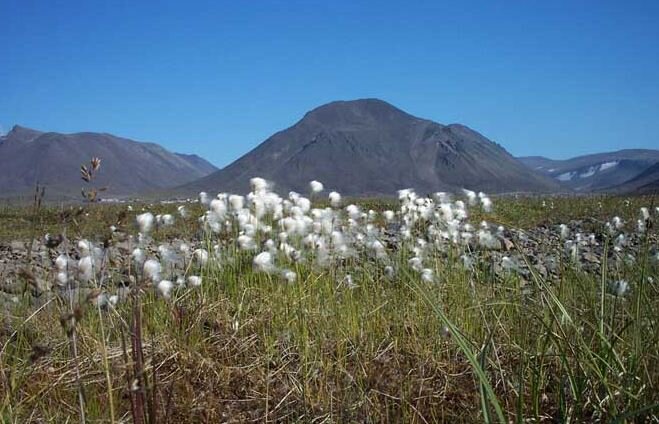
597 172
369 147
128 167
647 182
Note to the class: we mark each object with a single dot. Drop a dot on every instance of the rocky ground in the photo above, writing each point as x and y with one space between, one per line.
540 252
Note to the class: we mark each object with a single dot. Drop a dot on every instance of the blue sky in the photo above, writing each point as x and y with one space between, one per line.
557 78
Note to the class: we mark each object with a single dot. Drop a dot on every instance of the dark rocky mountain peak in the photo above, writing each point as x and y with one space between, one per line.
369 147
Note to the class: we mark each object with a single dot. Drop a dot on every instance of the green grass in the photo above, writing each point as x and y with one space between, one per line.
247 346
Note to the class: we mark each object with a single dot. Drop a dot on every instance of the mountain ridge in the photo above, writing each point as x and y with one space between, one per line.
370 147
597 172
128 167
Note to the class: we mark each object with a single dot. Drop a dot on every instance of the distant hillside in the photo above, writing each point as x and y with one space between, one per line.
128 167
369 147
597 172
647 182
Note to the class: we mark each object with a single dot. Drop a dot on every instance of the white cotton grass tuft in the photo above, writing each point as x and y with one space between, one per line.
145 222
471 196
564 231
335 199
152 270
289 275
427 275
236 202
138 256
194 281
258 185
246 242
263 262
486 203
183 211
165 288
166 220
619 287
509 264
203 198
415 263
640 226
617 223
84 247
389 272
201 256
316 186
348 282
85 269
645 214
61 262
487 240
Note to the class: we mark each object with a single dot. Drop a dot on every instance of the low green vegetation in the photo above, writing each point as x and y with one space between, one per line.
349 342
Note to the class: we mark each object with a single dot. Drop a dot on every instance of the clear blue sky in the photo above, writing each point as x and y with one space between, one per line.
556 78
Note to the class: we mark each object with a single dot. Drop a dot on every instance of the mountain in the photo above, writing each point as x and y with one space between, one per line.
597 172
369 147
647 182
128 167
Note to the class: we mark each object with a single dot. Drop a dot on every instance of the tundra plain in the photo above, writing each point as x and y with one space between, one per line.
313 308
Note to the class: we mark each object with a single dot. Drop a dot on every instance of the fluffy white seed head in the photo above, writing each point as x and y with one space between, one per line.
617 222
349 283
316 186
194 281
152 270
246 242
145 222
389 272
263 262
183 211
84 247
335 199
289 276
165 288
620 287
645 214
486 203
166 220
236 202
138 256
61 262
487 240
258 185
471 196
86 268
427 275
415 263
201 256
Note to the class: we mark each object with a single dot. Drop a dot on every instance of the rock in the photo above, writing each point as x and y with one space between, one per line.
590 257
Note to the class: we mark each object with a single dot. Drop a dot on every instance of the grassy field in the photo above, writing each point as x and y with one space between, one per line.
347 341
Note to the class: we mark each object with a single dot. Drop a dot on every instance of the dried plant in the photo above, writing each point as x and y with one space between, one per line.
88 173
